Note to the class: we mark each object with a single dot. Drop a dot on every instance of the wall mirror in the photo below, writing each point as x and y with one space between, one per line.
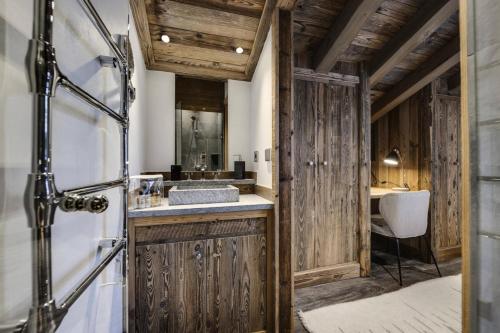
200 124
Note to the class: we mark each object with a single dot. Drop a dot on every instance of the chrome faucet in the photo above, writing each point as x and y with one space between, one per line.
216 174
189 176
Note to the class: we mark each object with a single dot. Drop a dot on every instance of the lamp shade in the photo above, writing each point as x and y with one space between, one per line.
392 159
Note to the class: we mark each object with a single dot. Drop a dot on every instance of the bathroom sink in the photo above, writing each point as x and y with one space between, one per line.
202 194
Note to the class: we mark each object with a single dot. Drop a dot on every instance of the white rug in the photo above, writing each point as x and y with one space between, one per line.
425 307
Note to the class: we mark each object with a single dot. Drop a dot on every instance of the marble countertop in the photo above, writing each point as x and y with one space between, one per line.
247 202
210 182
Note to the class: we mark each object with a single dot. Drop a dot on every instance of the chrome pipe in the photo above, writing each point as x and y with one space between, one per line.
124 106
80 288
86 190
41 208
103 30
65 83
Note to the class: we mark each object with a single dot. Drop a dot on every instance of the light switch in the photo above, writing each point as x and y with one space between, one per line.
267 154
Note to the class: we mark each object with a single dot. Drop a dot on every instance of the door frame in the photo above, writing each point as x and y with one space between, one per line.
465 168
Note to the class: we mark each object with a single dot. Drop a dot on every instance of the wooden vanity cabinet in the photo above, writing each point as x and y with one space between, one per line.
196 274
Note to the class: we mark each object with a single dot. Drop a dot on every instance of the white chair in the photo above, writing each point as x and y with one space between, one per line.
403 215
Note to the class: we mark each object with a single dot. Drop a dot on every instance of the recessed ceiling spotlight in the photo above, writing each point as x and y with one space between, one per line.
165 38
239 50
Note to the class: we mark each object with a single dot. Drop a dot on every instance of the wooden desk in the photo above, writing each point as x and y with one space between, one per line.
379 192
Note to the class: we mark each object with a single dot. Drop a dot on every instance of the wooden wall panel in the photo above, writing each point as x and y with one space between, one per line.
304 174
426 129
446 173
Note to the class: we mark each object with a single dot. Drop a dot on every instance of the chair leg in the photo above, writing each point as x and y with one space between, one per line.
399 263
432 255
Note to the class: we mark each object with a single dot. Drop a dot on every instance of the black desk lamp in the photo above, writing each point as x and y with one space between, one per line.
393 159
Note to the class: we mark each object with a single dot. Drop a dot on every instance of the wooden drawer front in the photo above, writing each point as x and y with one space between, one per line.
200 230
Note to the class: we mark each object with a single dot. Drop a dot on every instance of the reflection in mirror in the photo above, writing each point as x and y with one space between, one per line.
199 124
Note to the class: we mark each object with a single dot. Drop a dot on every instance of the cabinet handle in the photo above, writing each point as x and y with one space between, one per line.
197 255
325 163
310 163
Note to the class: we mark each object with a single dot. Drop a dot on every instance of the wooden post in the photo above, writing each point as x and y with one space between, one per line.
283 131
364 170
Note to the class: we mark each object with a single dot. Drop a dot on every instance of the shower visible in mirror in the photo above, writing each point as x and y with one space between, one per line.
199 124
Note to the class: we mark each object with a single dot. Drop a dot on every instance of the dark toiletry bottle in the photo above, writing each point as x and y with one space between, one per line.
239 169
175 172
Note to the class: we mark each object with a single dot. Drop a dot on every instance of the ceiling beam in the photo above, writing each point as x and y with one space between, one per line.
198 71
260 37
345 28
447 57
287 4
138 8
246 8
427 20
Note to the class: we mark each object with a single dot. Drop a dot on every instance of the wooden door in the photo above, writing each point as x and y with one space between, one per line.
171 287
236 275
337 177
304 174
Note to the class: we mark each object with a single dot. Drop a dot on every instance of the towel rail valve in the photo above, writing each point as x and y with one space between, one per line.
93 204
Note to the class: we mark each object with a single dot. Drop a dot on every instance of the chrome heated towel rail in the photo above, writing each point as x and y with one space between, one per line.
45 315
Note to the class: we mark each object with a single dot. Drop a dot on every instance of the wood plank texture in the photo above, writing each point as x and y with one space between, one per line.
218 283
283 60
364 169
138 9
428 19
326 190
343 31
330 77
236 271
431 162
260 36
446 58
326 274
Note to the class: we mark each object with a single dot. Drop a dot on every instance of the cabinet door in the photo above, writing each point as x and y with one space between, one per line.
171 287
336 183
304 152
236 282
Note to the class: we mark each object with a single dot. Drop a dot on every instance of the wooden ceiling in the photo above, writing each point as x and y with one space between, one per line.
405 43
204 35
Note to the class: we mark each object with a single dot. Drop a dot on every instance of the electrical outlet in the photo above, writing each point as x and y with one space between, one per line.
256 156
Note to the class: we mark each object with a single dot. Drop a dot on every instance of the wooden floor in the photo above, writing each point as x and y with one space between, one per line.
382 280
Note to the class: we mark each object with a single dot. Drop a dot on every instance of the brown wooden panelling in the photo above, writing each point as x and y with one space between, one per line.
202 230
364 209
196 218
196 175
215 284
431 161
263 191
446 172
304 174
171 284
236 275
283 103
326 274
199 95
325 194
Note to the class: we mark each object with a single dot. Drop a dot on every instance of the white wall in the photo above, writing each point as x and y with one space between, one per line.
138 111
160 130
238 121
86 150
261 114
250 117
